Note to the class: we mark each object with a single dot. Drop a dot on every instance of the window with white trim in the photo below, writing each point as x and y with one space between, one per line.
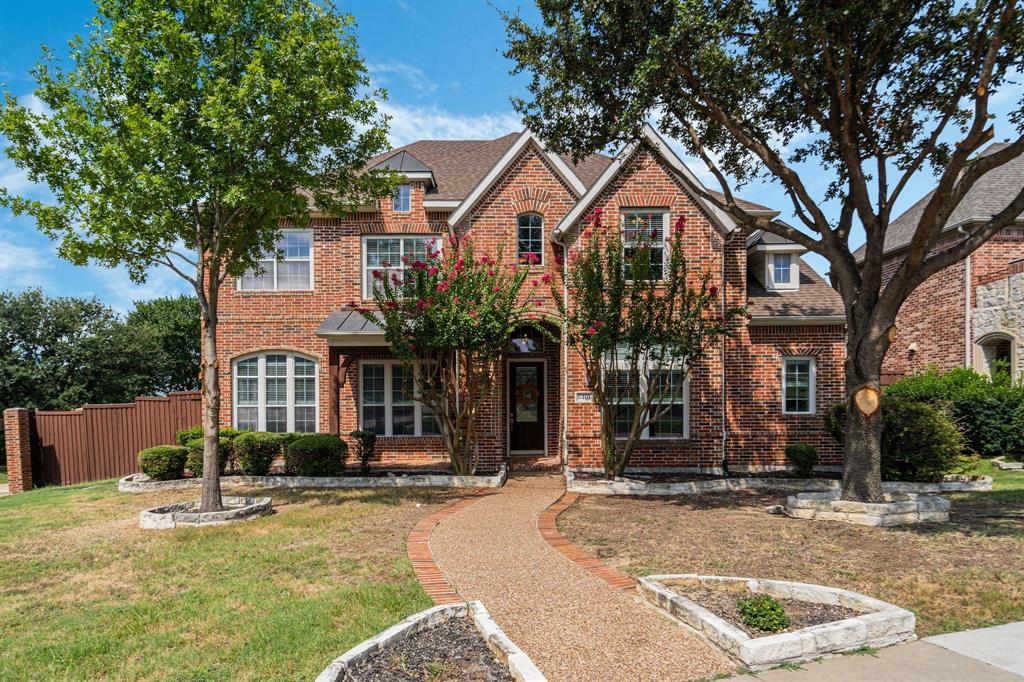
275 392
530 239
392 255
294 270
387 401
644 228
798 385
782 270
401 200
671 392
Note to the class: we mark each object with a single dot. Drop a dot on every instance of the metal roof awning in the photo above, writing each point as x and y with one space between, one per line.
349 328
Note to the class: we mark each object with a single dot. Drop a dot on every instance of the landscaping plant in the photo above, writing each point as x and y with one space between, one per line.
163 462
365 442
317 454
185 436
255 451
225 455
762 612
449 318
802 456
843 105
185 133
639 321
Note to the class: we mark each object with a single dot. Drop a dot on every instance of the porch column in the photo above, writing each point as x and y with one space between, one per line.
18 435
333 357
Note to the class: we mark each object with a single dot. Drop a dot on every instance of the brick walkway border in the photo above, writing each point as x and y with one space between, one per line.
433 580
548 527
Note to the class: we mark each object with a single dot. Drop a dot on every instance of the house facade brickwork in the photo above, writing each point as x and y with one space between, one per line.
296 360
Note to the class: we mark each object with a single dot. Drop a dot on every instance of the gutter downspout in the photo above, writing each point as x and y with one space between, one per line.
564 437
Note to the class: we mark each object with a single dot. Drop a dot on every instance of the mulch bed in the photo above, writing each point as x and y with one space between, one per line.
802 614
453 651
685 477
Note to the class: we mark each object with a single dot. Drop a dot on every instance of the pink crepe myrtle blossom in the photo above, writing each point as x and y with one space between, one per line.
538 302
405 260
455 300
546 278
680 223
433 270
421 304
419 265
591 330
376 274
442 286
712 291
491 273
535 282
588 233
559 260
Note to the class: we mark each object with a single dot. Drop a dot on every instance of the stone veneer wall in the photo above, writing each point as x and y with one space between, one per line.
999 307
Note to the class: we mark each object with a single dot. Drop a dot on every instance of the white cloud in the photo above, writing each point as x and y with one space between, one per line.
118 291
24 267
432 123
385 73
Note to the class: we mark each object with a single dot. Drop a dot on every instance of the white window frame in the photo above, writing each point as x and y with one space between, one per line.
812 381
366 269
644 378
396 198
540 253
312 265
794 271
665 222
261 383
388 407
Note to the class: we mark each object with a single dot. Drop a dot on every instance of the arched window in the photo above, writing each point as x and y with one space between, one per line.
530 238
996 352
275 391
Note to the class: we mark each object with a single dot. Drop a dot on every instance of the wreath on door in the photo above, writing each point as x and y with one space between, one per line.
527 394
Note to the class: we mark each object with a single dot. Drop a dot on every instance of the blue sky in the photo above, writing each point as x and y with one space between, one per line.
440 61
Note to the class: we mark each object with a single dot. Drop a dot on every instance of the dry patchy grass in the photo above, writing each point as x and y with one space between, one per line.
86 594
965 574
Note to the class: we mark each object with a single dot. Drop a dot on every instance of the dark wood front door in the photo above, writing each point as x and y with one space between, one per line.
526 407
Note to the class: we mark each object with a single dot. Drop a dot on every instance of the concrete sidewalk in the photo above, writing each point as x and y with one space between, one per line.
1001 646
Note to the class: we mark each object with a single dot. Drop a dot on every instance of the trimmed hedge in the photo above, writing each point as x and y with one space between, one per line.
365 443
255 451
193 432
316 455
163 462
919 441
194 463
804 457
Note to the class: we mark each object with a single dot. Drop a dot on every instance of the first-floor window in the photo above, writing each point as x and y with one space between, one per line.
275 392
388 404
669 403
798 378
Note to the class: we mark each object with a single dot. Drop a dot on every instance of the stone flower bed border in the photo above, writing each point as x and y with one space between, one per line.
186 514
627 486
140 483
519 664
900 509
1003 463
880 623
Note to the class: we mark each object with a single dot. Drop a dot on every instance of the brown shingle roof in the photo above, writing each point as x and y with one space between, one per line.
991 194
814 298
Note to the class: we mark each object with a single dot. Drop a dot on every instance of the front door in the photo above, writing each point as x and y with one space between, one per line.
526 408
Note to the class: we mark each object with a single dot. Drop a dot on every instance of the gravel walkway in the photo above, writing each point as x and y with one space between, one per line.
572 624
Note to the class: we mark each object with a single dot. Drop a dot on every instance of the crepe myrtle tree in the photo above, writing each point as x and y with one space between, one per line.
449 317
639 320
184 133
864 94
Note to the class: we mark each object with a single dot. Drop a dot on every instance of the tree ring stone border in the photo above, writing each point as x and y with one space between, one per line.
188 514
878 624
899 508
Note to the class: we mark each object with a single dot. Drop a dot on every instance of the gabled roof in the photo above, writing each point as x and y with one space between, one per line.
720 218
814 301
991 194
403 162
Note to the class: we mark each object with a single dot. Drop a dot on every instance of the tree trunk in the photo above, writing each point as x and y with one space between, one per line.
210 499
862 456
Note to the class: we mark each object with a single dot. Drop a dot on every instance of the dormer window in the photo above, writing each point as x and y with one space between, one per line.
782 271
401 201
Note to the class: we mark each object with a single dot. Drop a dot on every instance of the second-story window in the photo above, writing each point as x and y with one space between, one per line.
782 264
401 200
293 272
390 256
530 239
644 229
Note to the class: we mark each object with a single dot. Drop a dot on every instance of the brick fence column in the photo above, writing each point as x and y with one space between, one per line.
18 434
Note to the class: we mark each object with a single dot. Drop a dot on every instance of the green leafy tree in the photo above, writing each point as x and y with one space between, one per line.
174 321
865 94
182 136
450 319
640 322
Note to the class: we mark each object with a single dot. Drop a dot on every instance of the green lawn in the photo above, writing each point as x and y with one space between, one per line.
3 474
86 594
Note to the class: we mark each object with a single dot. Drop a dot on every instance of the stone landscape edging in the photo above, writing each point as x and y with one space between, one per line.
520 666
140 483
899 509
880 623
627 486
185 513
1002 463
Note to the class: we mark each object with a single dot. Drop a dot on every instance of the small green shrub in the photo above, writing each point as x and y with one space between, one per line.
193 432
194 463
255 452
163 462
317 454
920 442
804 457
365 442
762 612
1016 445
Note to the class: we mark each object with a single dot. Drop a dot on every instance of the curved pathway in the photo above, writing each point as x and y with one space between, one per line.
574 618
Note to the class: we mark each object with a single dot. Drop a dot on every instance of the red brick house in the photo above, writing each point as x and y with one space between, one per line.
295 358
971 313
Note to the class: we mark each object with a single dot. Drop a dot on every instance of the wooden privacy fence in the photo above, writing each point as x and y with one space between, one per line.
96 442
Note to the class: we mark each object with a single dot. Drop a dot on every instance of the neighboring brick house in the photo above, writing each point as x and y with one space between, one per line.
971 313
296 357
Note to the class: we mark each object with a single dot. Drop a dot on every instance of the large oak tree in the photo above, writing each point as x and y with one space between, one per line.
184 132
867 94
